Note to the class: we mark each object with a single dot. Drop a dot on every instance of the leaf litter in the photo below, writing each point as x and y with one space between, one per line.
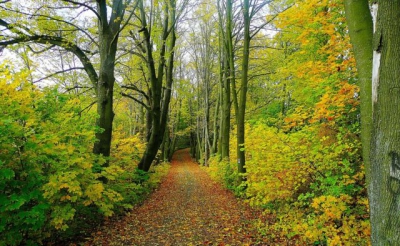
187 209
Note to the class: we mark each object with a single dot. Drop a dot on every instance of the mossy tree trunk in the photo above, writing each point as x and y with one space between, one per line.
382 138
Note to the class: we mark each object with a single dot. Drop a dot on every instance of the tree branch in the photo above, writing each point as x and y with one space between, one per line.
63 43
136 100
59 72
135 88
84 5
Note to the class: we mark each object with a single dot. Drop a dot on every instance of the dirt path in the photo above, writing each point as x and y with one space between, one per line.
187 209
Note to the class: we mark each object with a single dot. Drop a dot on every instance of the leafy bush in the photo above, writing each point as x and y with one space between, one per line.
47 168
46 162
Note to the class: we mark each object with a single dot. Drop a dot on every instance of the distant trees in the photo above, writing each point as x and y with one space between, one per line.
234 34
155 44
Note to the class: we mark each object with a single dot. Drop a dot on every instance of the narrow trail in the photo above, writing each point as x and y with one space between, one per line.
187 209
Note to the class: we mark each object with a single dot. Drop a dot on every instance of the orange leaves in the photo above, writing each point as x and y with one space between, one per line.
298 118
336 104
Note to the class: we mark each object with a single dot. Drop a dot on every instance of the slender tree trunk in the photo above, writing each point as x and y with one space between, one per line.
174 138
206 122
241 113
226 120
359 22
221 113
199 145
215 128
172 148
166 145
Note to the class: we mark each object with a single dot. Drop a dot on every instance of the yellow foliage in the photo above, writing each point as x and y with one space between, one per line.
126 150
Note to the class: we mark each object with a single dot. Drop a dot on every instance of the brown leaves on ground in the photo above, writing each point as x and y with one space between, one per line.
187 209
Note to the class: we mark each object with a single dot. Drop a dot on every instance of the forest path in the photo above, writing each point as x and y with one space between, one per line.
187 209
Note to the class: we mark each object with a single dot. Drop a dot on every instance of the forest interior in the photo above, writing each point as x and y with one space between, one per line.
199 122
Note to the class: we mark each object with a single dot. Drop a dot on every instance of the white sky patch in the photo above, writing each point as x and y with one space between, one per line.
374 9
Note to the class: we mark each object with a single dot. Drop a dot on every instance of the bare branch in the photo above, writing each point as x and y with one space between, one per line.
46 17
84 5
59 72
268 22
88 107
136 100
63 43
135 88
77 87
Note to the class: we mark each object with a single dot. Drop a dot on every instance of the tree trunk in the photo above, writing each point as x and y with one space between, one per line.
166 145
226 87
105 94
360 29
206 123
108 40
226 119
381 101
243 92
384 186
158 109
221 109
215 128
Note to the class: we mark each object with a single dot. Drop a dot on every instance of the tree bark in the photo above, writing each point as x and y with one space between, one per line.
159 103
243 93
105 89
383 97
109 26
229 76
360 30
215 127
384 185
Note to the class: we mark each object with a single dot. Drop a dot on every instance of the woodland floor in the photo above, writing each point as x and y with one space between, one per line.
187 209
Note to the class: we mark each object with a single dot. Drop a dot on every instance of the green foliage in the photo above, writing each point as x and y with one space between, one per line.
225 172
47 174
45 160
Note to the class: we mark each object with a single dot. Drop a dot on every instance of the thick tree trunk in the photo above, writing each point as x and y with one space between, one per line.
383 97
384 185
108 40
105 90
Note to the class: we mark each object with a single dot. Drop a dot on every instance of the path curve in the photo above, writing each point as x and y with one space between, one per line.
187 209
